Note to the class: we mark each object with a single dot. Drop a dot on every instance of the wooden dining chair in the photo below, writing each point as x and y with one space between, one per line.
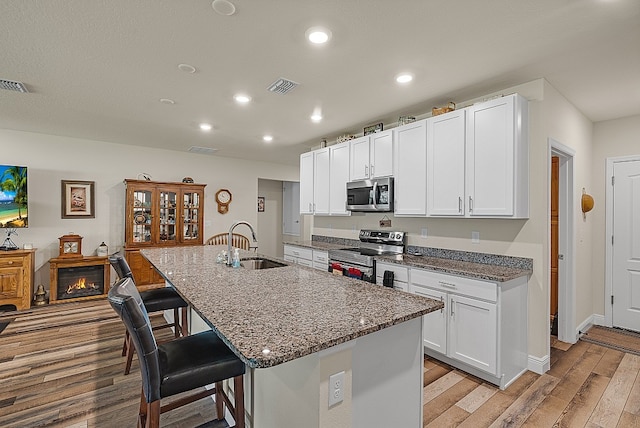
237 241
185 364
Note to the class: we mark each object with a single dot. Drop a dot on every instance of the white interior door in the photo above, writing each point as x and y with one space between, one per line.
626 245
291 208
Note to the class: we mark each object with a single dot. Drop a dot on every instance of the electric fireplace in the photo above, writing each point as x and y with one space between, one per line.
78 279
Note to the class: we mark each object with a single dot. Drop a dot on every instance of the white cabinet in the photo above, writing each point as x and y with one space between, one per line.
314 182
372 156
482 328
445 164
497 157
305 256
400 275
339 176
411 169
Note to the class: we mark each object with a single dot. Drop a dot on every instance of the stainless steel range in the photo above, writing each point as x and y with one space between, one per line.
359 262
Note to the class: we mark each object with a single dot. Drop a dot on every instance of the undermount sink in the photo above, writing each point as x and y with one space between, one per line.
255 263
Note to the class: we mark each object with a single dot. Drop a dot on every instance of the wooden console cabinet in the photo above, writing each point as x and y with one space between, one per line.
160 214
16 278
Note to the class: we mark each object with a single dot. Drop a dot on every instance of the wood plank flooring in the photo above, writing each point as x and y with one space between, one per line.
60 366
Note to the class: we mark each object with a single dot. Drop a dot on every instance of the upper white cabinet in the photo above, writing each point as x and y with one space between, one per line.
372 156
314 182
497 157
411 169
445 164
339 176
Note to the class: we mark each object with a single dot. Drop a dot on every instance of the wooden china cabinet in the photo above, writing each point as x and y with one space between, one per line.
160 214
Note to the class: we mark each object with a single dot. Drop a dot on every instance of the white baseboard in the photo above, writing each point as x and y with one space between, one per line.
593 319
539 365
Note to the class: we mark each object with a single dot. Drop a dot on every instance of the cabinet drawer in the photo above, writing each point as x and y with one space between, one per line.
303 253
400 273
11 262
320 257
290 259
453 284
304 262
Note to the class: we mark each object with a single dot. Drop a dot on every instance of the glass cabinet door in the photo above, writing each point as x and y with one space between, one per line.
167 212
141 227
191 201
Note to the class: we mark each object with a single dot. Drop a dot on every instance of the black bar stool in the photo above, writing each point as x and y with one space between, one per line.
155 300
178 366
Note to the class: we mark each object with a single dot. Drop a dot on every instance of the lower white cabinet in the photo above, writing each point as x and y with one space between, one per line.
400 275
482 328
305 256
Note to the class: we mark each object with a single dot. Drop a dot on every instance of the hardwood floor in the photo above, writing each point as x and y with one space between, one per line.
60 366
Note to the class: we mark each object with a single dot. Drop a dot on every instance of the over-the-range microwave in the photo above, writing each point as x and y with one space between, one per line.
370 195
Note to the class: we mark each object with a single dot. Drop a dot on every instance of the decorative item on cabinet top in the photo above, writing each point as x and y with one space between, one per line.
372 129
442 110
345 137
70 245
403 120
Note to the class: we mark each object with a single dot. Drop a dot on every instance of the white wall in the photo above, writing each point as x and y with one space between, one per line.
53 158
612 138
550 115
270 221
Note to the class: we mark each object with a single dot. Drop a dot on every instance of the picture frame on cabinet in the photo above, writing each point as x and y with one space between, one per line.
77 199
260 204
372 129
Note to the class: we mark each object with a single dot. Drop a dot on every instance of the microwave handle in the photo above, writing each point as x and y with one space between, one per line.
375 194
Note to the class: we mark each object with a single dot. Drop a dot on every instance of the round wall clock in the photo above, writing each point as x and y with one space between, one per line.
223 198
70 246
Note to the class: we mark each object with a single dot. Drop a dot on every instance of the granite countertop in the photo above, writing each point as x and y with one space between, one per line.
271 316
317 245
489 272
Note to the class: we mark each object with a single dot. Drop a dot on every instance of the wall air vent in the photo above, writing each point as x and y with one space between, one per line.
282 86
202 150
10 85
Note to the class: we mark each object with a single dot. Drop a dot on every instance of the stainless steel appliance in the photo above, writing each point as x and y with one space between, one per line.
359 262
370 195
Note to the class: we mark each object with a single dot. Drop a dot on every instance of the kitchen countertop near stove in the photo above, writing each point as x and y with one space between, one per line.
485 271
272 316
321 245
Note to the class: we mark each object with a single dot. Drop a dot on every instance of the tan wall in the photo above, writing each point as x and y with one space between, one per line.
270 221
613 138
52 158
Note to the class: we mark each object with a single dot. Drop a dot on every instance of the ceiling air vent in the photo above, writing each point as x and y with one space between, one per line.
10 85
202 150
282 86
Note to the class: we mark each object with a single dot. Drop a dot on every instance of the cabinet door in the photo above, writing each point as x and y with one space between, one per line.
360 161
306 183
381 154
490 158
192 214
321 180
473 332
139 217
339 168
445 164
411 169
434 332
169 215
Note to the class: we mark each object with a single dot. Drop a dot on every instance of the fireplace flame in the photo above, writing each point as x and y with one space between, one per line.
81 284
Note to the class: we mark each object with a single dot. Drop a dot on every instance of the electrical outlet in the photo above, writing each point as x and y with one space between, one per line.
475 237
336 388
423 232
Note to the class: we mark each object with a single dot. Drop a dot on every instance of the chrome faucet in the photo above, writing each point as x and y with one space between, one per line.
230 237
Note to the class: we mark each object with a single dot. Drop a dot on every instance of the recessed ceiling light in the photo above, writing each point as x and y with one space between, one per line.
205 126
404 77
316 117
267 138
223 7
187 68
167 101
242 98
318 35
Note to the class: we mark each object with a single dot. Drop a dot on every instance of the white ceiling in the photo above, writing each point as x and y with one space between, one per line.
97 69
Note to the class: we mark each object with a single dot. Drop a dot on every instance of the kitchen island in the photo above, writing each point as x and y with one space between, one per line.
294 327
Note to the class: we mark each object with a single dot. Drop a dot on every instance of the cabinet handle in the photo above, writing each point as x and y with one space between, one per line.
447 284
310 207
453 304
366 170
10 262
372 170
470 204
442 309
459 204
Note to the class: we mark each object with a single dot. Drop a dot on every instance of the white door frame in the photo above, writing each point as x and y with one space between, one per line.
608 267
566 243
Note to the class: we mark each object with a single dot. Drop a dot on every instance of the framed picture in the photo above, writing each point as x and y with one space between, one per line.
78 200
260 204
372 129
